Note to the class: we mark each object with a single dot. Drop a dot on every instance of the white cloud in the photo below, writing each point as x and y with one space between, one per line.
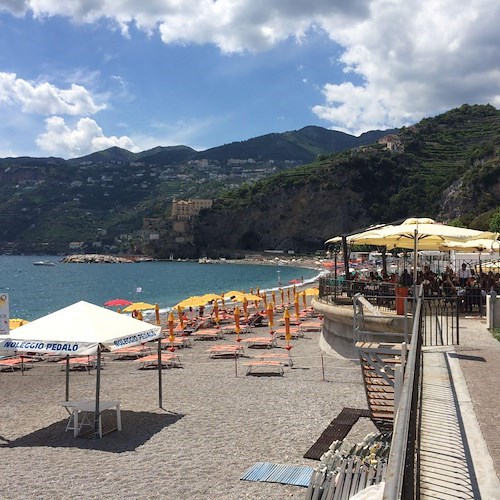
45 98
408 59
86 137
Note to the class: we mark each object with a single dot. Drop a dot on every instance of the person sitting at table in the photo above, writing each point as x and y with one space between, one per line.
405 278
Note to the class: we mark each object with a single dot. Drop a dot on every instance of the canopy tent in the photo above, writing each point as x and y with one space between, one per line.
83 329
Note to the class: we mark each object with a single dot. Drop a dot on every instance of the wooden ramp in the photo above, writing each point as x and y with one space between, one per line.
336 431
382 376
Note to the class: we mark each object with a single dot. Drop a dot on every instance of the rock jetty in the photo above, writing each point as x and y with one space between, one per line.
94 258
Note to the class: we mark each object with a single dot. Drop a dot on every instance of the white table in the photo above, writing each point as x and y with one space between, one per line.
84 406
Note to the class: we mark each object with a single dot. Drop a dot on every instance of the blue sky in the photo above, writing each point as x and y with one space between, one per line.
80 76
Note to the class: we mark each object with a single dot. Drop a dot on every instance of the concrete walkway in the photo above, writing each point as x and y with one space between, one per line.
460 442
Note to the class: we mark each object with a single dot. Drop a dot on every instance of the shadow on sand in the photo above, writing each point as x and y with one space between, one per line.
137 428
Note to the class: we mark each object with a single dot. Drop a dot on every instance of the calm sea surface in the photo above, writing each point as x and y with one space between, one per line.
38 290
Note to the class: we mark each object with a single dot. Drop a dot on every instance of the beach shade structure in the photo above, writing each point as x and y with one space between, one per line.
273 298
17 322
138 306
117 303
282 292
311 291
210 296
82 329
234 295
288 335
216 312
304 298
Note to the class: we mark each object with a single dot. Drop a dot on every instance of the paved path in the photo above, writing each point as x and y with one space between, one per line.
479 355
460 442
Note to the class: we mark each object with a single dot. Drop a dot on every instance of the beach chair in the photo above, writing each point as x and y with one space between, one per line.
13 364
227 350
83 363
267 342
133 352
295 332
151 361
266 366
284 358
207 334
179 342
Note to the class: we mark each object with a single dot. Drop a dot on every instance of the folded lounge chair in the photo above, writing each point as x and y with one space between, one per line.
151 361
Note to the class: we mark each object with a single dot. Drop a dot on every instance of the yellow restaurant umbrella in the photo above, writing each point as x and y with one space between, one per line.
139 306
477 245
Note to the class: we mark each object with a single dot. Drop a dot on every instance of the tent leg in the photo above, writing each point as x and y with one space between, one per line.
97 434
160 389
67 378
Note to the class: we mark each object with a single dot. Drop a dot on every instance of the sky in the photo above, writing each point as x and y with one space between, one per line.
80 76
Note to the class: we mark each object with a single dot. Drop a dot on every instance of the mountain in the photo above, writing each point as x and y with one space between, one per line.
291 190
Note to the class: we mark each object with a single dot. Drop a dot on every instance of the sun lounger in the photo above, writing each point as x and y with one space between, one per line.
179 342
284 358
264 367
295 332
207 334
79 363
311 325
132 352
151 361
293 321
260 342
13 364
231 328
225 350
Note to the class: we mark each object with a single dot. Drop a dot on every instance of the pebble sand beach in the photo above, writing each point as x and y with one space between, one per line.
216 424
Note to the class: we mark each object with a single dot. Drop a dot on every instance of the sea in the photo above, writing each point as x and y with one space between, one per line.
34 291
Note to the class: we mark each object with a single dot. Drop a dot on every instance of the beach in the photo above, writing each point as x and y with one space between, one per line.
215 425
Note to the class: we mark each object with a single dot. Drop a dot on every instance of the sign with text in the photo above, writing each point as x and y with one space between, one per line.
4 313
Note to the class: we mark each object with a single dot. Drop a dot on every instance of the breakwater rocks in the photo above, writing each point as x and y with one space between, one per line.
97 259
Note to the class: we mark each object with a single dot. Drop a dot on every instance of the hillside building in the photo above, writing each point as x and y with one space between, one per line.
184 210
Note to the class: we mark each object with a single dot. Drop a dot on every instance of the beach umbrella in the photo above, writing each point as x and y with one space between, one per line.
117 303
235 296
296 305
254 297
17 322
288 336
139 306
304 299
288 294
264 298
210 296
476 245
311 291
171 335
180 315
245 308
216 311
273 295
157 314
270 317
237 322
282 292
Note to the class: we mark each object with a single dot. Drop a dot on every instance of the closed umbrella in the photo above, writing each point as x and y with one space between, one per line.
180 314
270 317
245 308
237 322
304 299
157 314
216 311
288 336
296 305
171 336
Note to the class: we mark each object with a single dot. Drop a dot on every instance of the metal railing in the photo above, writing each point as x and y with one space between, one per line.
401 478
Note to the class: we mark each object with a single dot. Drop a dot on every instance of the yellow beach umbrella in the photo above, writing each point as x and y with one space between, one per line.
237 322
139 306
311 291
288 336
245 308
282 292
17 322
270 317
273 295
304 298
216 311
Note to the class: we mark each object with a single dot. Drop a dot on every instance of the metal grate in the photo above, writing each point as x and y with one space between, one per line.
336 431
276 473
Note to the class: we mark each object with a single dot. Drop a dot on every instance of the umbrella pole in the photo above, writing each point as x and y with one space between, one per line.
346 257
97 392
67 378
160 390
415 261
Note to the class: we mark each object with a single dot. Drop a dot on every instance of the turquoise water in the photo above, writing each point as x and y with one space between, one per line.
38 290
